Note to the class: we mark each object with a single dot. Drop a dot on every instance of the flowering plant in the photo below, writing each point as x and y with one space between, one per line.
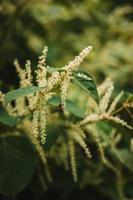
47 126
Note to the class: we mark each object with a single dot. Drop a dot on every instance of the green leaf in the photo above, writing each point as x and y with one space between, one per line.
85 81
14 94
17 164
125 157
70 106
9 120
54 69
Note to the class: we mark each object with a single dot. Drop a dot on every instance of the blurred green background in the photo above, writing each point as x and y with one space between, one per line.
66 27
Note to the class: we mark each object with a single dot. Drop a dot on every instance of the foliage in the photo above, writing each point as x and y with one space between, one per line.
59 130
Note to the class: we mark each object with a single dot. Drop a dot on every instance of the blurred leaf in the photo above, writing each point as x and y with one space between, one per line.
85 81
125 157
54 101
129 96
14 94
38 185
109 189
9 120
53 133
70 106
74 109
104 126
18 164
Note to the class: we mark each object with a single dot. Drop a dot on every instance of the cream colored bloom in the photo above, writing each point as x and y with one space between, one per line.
1 97
54 80
73 65
96 136
78 138
43 123
64 88
117 120
90 119
73 159
104 102
70 69
35 123
115 102
41 69
104 86
28 72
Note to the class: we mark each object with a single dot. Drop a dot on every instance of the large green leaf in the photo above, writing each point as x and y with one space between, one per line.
17 164
85 81
70 106
14 94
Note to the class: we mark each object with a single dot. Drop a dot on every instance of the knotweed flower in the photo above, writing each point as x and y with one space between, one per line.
41 69
69 70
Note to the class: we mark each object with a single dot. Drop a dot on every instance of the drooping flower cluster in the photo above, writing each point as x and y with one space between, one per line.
73 160
79 137
39 112
104 102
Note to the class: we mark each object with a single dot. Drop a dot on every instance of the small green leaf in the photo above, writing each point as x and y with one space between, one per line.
70 106
85 81
14 94
9 120
54 69
17 164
